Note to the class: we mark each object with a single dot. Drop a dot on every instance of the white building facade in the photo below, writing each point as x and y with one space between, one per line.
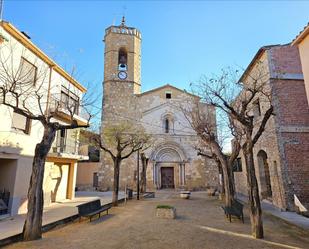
19 135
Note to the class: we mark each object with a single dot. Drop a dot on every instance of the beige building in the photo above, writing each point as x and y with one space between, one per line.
87 170
19 135
173 159
302 42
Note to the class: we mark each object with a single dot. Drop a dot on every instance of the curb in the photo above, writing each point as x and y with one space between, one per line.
286 221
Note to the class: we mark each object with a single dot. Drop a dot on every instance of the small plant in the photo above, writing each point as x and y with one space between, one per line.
165 206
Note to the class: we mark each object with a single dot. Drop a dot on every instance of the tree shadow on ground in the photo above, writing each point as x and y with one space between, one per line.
104 217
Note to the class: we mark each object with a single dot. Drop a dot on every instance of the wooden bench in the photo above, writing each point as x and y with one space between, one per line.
91 209
236 210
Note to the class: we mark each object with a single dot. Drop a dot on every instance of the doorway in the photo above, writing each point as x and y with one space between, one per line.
265 176
167 177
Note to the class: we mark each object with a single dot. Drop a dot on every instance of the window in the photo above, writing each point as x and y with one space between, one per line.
167 126
168 95
28 72
122 59
237 165
21 123
69 100
256 108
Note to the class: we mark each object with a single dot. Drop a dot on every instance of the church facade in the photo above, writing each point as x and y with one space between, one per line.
173 159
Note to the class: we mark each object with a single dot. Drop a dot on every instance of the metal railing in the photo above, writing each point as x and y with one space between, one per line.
65 146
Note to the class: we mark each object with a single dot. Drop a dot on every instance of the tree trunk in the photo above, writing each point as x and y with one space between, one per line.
223 186
253 192
231 178
33 224
143 175
229 194
117 162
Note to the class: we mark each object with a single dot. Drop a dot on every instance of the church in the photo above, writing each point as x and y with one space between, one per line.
173 159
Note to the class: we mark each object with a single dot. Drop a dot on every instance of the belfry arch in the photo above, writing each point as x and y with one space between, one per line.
169 165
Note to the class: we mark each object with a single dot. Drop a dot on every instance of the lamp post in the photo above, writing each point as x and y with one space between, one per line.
137 175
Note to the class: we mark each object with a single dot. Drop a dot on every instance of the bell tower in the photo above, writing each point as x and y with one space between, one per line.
122 71
121 89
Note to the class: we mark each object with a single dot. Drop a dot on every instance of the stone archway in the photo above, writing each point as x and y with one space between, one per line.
169 165
266 190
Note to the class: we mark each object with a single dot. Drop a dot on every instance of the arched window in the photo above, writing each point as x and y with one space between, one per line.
122 59
167 125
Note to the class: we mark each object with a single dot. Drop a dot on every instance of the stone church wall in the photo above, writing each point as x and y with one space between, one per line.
122 101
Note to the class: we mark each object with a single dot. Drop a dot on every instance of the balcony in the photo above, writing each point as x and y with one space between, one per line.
66 148
62 111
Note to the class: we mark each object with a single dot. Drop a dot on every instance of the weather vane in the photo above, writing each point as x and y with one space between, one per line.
124 8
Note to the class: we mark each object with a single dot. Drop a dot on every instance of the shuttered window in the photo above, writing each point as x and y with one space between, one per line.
28 72
21 123
69 100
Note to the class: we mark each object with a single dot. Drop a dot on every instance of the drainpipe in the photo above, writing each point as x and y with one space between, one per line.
48 90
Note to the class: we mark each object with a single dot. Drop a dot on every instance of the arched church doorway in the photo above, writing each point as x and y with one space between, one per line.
169 166
266 190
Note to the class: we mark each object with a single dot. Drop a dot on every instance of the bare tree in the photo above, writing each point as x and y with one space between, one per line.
120 141
26 88
212 146
240 100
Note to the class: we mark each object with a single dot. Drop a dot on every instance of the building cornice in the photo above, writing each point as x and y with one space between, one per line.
301 36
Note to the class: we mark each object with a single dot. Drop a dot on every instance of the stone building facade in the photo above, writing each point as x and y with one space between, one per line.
281 155
173 160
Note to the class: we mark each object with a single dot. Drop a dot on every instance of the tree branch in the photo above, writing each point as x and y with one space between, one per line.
261 129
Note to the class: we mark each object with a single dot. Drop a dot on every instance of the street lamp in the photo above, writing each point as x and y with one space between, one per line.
137 175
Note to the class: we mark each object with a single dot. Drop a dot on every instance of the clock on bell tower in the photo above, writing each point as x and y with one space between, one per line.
122 55
122 72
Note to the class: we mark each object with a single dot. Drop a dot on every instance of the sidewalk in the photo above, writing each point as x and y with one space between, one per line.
290 217
56 212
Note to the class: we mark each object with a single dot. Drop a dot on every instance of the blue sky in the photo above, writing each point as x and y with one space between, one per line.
181 40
